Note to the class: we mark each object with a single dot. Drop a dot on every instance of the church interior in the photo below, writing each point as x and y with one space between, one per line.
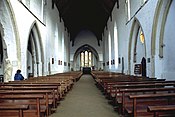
82 58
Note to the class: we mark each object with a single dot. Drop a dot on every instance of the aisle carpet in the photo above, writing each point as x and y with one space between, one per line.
85 100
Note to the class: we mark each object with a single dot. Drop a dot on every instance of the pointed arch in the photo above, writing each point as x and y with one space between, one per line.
83 47
164 18
86 47
157 35
134 54
154 27
35 65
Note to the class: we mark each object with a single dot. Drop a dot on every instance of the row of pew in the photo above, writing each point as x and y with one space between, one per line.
137 96
36 96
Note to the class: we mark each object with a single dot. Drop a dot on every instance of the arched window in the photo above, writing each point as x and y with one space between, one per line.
116 45
86 58
90 59
128 10
142 37
82 59
109 45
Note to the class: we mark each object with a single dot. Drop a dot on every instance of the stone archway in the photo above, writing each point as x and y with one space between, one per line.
83 48
161 42
35 55
137 48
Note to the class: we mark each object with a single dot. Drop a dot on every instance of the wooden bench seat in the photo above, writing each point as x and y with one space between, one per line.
137 86
18 108
51 87
123 99
139 100
114 94
37 98
65 84
110 87
46 101
162 110
50 98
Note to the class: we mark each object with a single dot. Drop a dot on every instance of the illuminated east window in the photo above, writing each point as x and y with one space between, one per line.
90 59
82 59
86 59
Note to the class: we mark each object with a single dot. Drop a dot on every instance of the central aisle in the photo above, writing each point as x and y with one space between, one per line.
85 100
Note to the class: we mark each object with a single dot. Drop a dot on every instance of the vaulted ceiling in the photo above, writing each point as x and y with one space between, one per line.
89 15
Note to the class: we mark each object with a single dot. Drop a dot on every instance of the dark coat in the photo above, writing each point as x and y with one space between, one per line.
18 76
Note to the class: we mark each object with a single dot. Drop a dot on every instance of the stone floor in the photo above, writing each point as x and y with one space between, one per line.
85 100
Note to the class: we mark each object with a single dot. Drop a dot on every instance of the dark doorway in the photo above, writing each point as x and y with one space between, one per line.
143 62
123 67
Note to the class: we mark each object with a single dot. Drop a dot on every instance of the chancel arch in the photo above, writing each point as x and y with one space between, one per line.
86 56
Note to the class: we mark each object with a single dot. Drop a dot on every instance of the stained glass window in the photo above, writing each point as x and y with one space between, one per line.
86 59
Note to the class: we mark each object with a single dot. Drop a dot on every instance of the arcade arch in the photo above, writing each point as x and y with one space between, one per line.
35 54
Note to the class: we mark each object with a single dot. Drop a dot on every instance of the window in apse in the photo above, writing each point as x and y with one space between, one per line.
82 59
86 59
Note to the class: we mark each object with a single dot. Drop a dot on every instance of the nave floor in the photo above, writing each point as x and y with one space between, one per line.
85 100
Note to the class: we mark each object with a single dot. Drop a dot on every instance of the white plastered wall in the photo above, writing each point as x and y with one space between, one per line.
16 32
145 17
151 22
25 21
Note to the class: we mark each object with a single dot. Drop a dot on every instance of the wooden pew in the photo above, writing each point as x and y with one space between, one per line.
111 90
111 82
137 85
49 103
74 76
110 87
25 97
33 88
168 110
123 99
47 86
139 104
19 108
36 89
65 83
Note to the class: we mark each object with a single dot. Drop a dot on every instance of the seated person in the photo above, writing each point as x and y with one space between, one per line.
18 75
